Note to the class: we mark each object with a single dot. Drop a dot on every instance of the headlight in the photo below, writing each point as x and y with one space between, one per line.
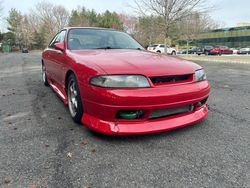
120 81
200 75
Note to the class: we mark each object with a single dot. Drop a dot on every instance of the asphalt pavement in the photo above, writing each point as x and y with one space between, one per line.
40 145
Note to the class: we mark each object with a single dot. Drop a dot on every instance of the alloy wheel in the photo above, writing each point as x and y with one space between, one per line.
72 98
43 73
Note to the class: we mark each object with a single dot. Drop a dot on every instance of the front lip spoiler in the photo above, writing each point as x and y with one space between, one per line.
144 127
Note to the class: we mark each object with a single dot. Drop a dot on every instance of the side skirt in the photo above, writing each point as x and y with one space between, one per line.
59 92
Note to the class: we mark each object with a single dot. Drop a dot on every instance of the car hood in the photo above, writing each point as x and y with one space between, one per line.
134 62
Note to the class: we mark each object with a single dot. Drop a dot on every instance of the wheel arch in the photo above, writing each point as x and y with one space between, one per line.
68 73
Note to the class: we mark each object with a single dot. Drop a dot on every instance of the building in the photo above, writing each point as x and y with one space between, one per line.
233 37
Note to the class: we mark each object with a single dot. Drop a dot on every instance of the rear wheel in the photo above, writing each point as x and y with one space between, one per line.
159 51
74 99
173 53
44 76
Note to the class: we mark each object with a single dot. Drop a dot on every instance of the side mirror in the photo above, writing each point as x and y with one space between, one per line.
59 46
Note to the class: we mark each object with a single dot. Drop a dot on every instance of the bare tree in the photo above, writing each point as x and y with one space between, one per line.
190 27
148 30
171 11
55 17
1 9
61 16
25 31
129 22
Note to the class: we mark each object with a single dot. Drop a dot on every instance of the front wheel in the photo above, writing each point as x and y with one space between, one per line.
44 76
173 53
74 99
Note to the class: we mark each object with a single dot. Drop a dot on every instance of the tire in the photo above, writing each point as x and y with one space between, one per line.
44 76
173 53
159 51
74 99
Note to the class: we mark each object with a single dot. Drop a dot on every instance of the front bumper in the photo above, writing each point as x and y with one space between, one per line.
145 127
101 106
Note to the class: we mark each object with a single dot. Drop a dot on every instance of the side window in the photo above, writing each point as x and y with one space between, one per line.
61 36
162 46
58 38
53 41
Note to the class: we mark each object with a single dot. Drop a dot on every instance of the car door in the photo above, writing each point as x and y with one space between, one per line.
48 59
169 50
162 48
57 59
225 50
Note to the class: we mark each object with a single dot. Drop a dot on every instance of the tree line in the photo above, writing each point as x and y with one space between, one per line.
157 21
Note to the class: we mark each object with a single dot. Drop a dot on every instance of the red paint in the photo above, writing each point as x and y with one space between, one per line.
101 104
221 50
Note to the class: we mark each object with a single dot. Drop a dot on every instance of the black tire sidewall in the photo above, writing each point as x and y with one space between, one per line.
79 111
45 82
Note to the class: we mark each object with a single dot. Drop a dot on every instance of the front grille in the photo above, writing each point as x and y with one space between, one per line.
171 79
170 112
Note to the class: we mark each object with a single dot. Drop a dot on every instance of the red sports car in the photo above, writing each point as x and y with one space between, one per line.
114 86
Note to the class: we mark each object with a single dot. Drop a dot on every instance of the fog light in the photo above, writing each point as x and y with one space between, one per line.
130 114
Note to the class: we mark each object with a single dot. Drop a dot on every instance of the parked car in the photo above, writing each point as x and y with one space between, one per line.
204 50
25 50
193 50
235 50
160 48
244 50
113 86
182 51
185 51
219 50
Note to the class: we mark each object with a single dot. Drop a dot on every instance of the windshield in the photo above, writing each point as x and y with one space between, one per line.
82 38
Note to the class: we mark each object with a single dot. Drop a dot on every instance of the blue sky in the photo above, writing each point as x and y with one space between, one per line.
227 12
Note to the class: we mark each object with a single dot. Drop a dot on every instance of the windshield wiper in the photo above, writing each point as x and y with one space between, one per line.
107 48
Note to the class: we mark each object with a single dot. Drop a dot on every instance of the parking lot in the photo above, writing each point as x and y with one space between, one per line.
42 147
235 59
